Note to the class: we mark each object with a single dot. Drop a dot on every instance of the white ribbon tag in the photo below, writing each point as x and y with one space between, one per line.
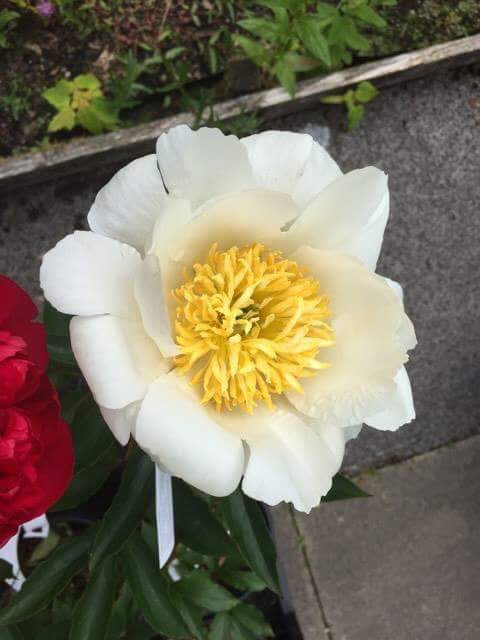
164 515
36 528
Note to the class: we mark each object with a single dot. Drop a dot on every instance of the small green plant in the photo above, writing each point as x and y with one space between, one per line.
125 87
81 102
16 99
304 35
8 20
354 101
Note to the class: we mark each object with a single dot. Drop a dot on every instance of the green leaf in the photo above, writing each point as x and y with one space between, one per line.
86 81
59 95
300 63
190 613
349 98
274 4
326 11
310 32
286 75
252 619
141 631
58 631
128 507
336 34
239 632
7 16
333 99
56 323
195 525
48 579
343 489
202 591
242 580
44 548
353 38
172 53
220 627
355 115
248 528
70 402
59 350
5 570
106 112
60 611
254 50
265 29
89 120
92 613
65 119
150 590
91 435
88 481
365 92
369 15
123 609
12 632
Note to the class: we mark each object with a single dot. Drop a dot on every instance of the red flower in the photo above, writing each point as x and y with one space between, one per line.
36 453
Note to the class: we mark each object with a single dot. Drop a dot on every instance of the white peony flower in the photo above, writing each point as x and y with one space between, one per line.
227 313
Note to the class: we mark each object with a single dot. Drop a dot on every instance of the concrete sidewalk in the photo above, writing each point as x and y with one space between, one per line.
403 564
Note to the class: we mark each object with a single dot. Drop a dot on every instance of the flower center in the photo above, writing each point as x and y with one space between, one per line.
249 325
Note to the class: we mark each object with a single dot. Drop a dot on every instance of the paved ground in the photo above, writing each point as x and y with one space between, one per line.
401 565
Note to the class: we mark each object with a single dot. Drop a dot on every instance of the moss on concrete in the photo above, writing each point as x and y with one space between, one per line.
413 24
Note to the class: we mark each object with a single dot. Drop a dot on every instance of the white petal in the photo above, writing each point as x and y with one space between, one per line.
121 421
116 357
236 219
87 274
183 436
199 165
290 162
169 228
349 215
406 331
320 170
352 431
399 406
366 318
150 296
291 461
128 206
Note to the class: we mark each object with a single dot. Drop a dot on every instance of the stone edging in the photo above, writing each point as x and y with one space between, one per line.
73 157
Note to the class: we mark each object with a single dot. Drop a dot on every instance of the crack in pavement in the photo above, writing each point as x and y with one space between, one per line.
327 627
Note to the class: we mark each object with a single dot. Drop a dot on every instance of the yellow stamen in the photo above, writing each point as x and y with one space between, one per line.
250 323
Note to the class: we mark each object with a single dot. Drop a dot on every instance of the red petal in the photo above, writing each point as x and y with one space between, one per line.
17 306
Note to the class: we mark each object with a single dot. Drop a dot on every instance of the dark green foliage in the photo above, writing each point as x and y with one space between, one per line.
304 35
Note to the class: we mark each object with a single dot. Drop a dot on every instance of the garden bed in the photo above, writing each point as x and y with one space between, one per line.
120 146
175 56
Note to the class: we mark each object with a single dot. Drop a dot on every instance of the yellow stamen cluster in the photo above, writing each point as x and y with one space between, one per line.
249 324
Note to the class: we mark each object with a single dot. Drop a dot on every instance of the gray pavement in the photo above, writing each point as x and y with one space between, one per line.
403 564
